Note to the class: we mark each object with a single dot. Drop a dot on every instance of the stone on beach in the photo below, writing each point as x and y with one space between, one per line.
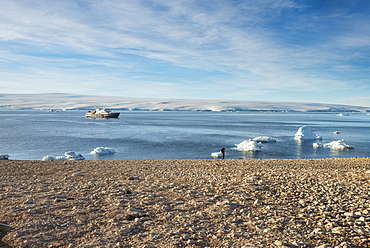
186 203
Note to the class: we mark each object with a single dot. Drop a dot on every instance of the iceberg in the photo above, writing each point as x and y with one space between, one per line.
216 154
317 145
4 156
73 156
67 156
305 133
249 145
264 139
339 144
103 151
53 158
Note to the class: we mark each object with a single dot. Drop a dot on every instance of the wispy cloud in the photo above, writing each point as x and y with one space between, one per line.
163 46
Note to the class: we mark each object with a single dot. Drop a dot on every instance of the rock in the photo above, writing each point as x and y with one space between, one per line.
186 203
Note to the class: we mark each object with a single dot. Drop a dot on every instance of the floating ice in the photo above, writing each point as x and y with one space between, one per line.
317 145
216 154
305 133
4 156
264 139
339 144
52 158
103 151
73 156
68 156
249 145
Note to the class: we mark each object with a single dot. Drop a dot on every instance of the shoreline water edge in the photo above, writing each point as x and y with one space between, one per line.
185 203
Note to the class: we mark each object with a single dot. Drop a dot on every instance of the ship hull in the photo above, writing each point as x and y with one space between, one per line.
105 116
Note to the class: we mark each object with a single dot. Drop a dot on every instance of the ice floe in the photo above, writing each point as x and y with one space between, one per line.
4 156
339 144
249 145
216 154
317 145
305 133
264 139
67 156
52 158
103 151
73 156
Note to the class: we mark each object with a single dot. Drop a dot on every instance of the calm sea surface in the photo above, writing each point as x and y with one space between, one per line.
33 134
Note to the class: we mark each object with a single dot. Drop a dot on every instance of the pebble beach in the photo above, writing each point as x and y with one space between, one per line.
185 203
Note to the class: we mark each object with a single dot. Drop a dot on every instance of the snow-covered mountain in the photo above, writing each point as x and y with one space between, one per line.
74 101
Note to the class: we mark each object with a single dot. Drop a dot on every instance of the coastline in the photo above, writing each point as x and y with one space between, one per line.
185 203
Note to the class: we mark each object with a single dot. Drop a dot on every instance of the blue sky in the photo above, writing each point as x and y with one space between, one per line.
270 50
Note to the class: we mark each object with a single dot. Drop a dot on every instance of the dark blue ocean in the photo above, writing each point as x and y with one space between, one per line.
33 134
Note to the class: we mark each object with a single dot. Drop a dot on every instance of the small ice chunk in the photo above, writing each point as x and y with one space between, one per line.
317 145
305 133
52 158
78 157
48 157
4 156
216 154
73 156
339 144
103 151
264 139
249 145
70 154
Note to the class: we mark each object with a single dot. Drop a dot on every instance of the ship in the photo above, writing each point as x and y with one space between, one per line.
101 113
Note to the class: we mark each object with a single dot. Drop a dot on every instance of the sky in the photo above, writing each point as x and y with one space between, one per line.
268 50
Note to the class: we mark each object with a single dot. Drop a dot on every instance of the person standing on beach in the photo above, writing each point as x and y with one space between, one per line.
223 152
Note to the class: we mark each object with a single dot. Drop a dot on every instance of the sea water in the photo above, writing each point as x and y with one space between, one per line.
33 134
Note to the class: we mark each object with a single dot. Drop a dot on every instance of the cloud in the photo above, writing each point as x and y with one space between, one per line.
258 46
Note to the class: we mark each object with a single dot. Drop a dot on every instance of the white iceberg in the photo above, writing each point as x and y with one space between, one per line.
67 156
73 156
264 139
249 145
216 154
305 133
70 154
103 151
317 145
4 156
339 144
52 158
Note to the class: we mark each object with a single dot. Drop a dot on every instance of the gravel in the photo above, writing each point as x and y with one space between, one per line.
186 203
